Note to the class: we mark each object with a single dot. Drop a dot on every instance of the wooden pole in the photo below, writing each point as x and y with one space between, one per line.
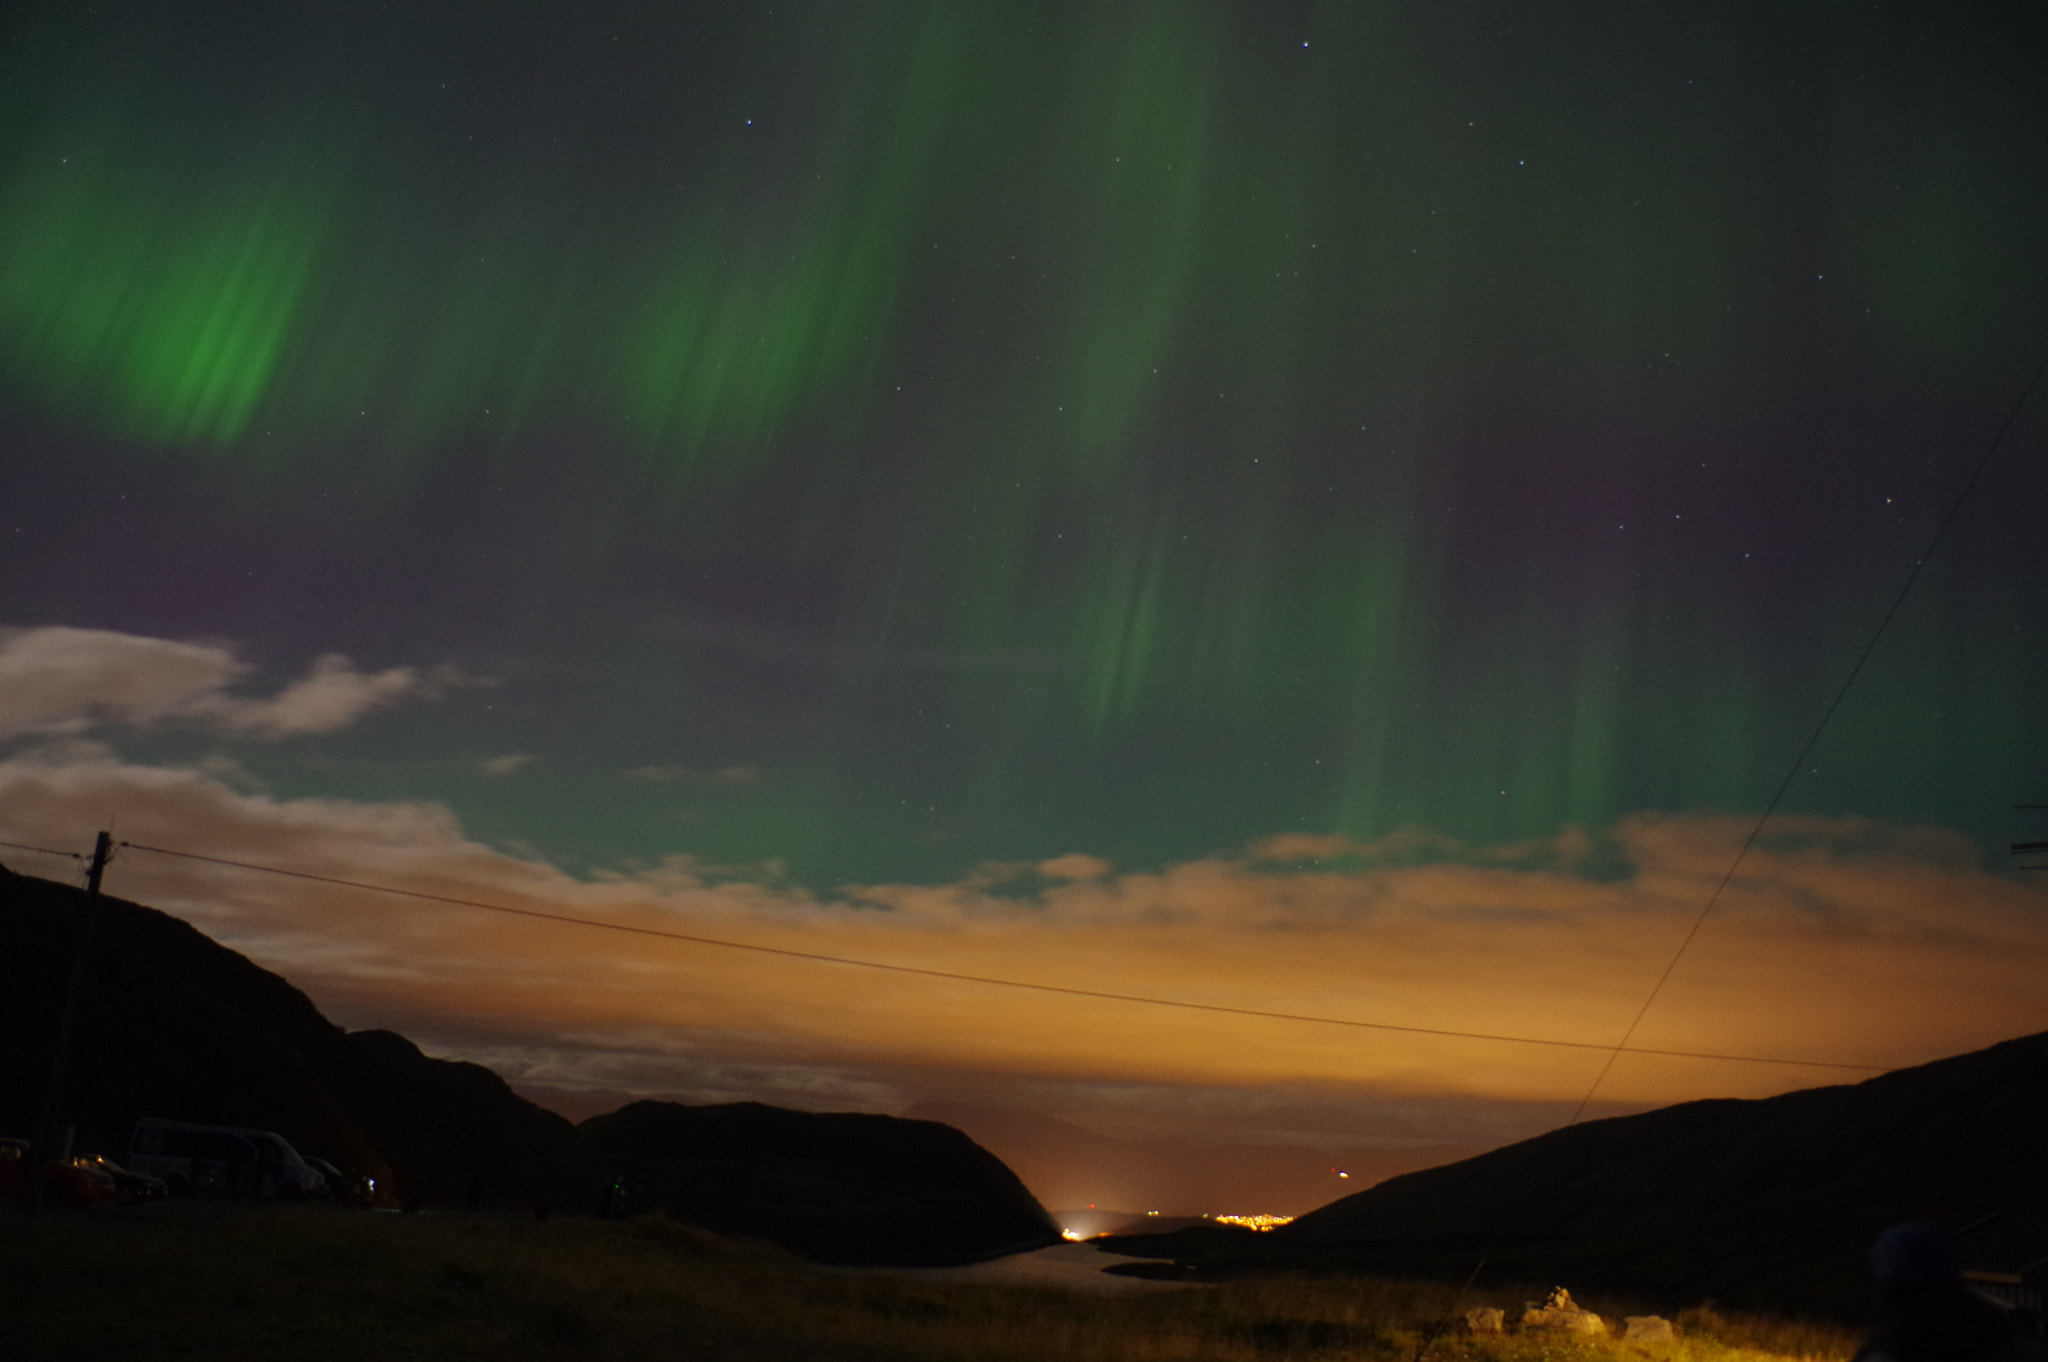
41 1155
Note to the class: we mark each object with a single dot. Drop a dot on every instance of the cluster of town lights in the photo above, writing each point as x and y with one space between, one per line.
1261 1223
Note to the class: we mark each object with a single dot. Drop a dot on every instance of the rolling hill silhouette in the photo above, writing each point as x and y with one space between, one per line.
1768 1203
174 1024
841 1187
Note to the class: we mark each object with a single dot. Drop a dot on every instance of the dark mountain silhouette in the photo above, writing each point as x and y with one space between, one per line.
1768 1203
174 1024
171 1023
837 1187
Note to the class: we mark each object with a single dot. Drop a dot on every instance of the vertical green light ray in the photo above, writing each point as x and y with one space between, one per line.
490 348
171 310
1375 640
1133 201
1127 595
1549 712
733 344
1114 200
1239 621
1591 762
739 333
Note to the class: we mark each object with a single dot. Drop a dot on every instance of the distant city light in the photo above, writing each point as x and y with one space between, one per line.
1261 1223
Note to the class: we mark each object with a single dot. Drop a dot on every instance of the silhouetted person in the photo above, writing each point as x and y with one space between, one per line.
1926 1314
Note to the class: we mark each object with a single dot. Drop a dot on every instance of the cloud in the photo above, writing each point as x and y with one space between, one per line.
1845 940
1074 866
229 772
511 764
1403 844
657 775
332 695
58 681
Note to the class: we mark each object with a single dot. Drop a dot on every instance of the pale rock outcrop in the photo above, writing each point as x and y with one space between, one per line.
1558 1313
1646 1329
1485 1319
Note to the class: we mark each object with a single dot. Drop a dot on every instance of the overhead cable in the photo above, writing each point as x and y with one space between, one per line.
42 851
1067 990
1622 1047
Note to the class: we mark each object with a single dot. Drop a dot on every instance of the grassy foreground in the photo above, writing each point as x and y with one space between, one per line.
226 1281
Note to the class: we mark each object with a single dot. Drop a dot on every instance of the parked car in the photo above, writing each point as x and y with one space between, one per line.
130 1188
72 1182
345 1189
80 1183
228 1160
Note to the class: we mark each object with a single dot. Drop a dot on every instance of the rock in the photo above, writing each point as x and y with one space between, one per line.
1485 1320
1578 1323
1560 1315
1646 1329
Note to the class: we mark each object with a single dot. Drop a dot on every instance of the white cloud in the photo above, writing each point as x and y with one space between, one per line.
1074 865
60 681
330 696
511 764
231 773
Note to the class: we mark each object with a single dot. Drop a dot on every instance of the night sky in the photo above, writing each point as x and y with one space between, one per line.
1115 490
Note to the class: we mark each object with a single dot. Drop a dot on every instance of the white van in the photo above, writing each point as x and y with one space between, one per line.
223 1159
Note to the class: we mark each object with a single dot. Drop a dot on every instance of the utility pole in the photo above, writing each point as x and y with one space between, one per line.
44 1154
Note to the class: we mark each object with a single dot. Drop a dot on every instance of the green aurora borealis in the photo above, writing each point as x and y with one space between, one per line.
990 431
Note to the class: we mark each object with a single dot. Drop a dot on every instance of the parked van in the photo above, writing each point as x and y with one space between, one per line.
225 1160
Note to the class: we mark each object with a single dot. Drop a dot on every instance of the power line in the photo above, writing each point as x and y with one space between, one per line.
1777 796
1064 989
1841 693
44 851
